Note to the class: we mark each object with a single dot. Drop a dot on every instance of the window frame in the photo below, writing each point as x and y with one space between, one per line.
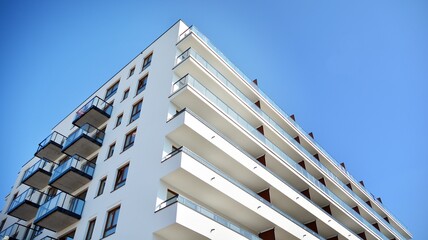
147 61
121 176
101 186
111 150
129 139
125 94
131 72
111 223
136 111
90 229
142 83
119 120
111 90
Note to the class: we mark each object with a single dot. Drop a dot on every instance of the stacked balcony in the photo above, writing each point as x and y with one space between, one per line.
84 141
60 212
96 112
38 175
25 205
17 231
72 174
51 147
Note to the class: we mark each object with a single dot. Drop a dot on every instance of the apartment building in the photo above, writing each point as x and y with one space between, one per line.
180 144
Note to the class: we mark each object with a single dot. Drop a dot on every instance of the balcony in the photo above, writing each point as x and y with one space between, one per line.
84 141
50 147
38 175
72 174
25 205
96 112
17 231
187 213
60 212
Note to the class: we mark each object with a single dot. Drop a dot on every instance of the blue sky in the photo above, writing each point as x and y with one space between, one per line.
353 72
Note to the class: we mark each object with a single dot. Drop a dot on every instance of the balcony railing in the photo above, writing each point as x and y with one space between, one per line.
207 213
17 231
72 174
50 147
60 212
38 175
284 115
192 82
92 138
25 205
95 112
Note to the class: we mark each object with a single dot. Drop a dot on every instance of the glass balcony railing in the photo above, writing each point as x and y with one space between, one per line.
76 162
86 130
207 213
244 188
94 102
54 137
60 202
30 194
42 164
18 231
192 82
205 39
279 129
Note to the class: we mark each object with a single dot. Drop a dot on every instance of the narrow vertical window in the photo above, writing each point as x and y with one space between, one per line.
122 173
131 72
129 140
119 119
142 84
147 61
111 90
136 109
111 150
111 222
90 230
101 186
125 94
2 224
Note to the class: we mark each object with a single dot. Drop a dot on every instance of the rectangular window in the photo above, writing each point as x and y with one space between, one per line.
121 177
111 222
131 72
136 109
111 90
111 150
101 186
147 61
2 224
142 84
129 140
90 230
119 119
125 94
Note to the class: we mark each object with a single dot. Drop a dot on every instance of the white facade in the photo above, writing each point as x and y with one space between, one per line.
242 168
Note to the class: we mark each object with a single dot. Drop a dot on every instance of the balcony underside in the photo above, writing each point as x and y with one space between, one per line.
83 146
94 116
39 179
25 211
58 219
51 151
70 180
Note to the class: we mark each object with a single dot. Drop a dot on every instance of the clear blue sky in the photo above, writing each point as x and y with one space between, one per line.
354 72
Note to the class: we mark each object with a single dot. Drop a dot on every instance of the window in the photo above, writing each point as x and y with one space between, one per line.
147 61
111 222
121 177
111 90
111 150
142 84
125 94
101 186
50 194
119 119
2 224
136 109
129 140
131 72
90 230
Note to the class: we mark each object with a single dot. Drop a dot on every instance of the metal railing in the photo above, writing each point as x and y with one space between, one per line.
207 213
61 200
76 162
41 164
53 137
284 115
18 231
94 102
190 81
87 130
30 194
